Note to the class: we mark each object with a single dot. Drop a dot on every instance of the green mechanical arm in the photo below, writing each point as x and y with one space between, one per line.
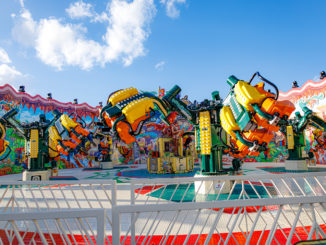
44 138
295 132
206 119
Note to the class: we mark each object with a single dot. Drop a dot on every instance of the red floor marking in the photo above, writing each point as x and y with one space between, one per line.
147 189
236 238
258 183
250 209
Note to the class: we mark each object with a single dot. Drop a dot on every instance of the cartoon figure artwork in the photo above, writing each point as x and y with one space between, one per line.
45 140
29 110
318 146
260 122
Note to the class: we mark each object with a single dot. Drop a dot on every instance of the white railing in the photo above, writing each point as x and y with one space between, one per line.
279 221
237 187
177 193
162 190
32 196
63 227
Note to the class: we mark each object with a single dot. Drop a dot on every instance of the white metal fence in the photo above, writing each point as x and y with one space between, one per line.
263 221
194 209
32 196
162 190
64 227
216 188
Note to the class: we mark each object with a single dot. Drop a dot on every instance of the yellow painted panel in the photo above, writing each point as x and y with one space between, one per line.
161 147
67 122
228 121
52 145
174 164
181 146
289 137
54 135
159 165
137 109
205 132
26 147
247 94
122 95
34 143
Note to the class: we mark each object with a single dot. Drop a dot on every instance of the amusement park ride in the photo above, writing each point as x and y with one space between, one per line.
241 125
44 141
250 115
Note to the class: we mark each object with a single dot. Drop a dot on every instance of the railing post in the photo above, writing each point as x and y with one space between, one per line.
101 227
132 222
273 228
115 216
114 193
294 225
13 199
115 226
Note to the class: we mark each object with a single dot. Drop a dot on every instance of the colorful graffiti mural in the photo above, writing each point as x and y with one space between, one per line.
30 108
312 94
146 141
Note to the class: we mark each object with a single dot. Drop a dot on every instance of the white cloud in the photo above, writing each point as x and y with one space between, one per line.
4 58
103 17
129 29
60 44
160 66
8 74
171 9
21 2
25 28
80 10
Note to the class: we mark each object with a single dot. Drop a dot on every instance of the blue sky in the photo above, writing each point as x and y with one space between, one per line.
87 49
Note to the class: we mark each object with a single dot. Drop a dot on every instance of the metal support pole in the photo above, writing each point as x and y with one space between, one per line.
133 221
101 228
115 226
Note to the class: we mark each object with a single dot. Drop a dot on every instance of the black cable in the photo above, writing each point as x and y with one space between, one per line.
265 80
234 150
141 124
84 124
53 149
